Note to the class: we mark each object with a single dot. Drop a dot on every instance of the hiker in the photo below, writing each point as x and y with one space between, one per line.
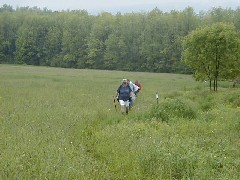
139 87
134 89
123 95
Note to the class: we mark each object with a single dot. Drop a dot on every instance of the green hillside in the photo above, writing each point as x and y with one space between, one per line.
60 123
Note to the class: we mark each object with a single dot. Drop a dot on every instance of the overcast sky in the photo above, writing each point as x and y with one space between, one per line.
113 6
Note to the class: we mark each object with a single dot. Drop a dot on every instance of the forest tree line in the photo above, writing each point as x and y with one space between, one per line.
138 41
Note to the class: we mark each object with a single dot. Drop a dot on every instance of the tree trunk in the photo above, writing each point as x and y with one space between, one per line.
216 84
210 84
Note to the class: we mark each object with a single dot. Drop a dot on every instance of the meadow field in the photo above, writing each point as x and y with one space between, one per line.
60 123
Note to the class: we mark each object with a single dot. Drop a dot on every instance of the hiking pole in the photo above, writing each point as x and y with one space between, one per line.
114 101
157 97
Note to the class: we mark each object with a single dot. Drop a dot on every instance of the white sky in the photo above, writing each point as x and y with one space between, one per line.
113 6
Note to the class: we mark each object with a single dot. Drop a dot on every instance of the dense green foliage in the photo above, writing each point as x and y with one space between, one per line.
213 52
60 123
144 41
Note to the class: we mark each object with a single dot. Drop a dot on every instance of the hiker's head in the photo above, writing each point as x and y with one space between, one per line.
124 81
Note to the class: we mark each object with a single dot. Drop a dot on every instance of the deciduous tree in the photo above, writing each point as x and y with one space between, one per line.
213 52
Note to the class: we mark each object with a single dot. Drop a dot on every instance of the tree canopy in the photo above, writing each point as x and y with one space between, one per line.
143 41
213 52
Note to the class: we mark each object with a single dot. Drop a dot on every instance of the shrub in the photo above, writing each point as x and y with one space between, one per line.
204 98
173 108
233 99
207 103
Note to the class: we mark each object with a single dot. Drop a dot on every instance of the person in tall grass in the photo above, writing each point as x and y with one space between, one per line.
139 87
123 94
134 88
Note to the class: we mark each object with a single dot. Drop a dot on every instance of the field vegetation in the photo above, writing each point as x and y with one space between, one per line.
60 123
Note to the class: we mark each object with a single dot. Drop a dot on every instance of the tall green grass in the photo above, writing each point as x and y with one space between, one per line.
62 124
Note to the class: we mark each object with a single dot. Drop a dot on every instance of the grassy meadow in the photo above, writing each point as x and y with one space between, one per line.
60 123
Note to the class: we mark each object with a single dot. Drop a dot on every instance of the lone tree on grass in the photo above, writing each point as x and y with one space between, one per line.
213 52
